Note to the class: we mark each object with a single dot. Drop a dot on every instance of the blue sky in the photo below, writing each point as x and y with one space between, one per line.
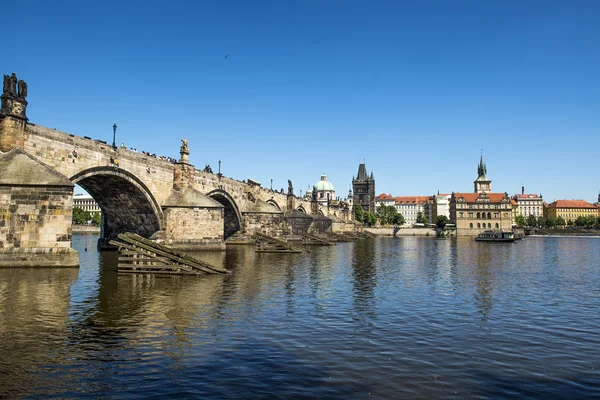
417 89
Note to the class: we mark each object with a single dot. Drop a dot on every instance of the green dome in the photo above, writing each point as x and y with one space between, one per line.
324 185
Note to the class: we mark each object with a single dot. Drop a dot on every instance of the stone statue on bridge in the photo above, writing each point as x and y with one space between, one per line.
10 85
22 89
184 151
184 146
290 188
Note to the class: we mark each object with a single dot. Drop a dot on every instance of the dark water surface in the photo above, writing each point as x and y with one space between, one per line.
379 318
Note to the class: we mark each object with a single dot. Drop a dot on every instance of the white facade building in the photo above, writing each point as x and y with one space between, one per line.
410 207
86 203
529 204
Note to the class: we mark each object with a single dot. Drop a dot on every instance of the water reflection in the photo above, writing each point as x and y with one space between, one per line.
387 318
364 276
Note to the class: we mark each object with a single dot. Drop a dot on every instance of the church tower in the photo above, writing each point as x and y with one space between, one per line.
363 188
482 183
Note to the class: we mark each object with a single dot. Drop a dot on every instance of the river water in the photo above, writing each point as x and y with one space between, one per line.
380 318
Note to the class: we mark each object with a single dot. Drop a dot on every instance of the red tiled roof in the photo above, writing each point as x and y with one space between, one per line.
411 199
384 196
570 204
514 202
471 197
528 196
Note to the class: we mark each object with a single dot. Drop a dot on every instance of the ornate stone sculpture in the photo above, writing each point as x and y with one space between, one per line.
6 89
22 89
290 188
184 146
12 85
184 151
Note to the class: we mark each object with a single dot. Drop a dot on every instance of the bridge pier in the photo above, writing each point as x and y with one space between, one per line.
36 206
192 220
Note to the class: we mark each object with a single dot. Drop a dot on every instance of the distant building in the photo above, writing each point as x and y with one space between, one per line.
570 210
529 204
324 190
410 207
385 199
437 205
86 203
476 212
363 188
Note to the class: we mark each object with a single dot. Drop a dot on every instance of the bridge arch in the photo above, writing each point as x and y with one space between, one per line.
301 209
126 202
232 218
274 204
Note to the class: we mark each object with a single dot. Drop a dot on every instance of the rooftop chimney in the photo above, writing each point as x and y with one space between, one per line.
522 189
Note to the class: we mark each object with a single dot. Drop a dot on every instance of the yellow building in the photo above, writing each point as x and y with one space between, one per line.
482 210
570 210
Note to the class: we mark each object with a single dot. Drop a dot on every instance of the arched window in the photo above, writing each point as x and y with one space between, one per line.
478 215
489 225
489 215
478 225
471 225
497 226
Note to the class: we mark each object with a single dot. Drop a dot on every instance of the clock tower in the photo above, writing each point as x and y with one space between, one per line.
482 183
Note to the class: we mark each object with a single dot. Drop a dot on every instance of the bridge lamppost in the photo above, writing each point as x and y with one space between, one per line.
114 136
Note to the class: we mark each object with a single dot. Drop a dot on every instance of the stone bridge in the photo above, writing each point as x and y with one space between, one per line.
169 201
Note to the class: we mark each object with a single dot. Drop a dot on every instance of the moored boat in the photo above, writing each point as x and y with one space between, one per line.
496 236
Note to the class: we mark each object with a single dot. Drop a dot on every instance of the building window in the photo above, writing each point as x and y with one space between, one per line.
497 226
478 225
478 215
489 225
471 225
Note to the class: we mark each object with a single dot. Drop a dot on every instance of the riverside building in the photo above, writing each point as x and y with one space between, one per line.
570 210
529 204
86 203
481 210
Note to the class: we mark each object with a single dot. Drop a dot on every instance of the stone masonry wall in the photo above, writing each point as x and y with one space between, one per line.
270 224
202 226
36 219
11 133
55 148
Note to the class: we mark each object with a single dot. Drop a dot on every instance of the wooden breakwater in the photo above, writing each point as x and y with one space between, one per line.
269 244
140 255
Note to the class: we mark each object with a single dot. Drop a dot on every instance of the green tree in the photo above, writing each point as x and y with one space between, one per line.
80 216
531 220
420 218
560 221
96 219
570 222
550 222
385 214
399 220
520 220
370 219
358 213
541 222
441 221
